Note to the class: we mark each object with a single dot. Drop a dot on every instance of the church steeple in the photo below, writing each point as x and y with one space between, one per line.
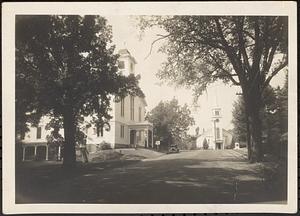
217 131
126 62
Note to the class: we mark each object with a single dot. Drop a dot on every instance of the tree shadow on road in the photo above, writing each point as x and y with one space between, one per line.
181 181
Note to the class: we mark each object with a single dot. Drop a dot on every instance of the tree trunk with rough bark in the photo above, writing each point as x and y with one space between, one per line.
253 103
69 153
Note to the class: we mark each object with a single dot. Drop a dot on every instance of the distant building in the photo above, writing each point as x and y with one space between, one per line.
128 127
216 137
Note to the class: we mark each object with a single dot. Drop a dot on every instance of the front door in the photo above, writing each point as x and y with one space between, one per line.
132 137
218 145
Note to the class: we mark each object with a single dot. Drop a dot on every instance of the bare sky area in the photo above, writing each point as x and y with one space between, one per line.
126 35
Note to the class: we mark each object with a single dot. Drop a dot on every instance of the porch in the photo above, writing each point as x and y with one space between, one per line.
141 135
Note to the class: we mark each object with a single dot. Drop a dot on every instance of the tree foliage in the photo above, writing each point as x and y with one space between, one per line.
274 121
66 68
205 144
170 122
247 51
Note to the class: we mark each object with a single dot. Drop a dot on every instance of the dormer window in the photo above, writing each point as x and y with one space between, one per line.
39 132
121 65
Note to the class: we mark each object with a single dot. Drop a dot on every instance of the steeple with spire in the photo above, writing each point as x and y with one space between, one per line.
216 127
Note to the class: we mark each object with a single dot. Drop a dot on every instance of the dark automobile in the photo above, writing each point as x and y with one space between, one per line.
173 149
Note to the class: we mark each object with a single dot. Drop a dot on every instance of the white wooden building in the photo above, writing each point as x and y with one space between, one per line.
128 127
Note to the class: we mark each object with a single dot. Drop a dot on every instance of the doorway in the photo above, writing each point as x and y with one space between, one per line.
218 145
132 138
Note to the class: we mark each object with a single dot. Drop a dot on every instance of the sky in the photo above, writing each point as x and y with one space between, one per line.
127 35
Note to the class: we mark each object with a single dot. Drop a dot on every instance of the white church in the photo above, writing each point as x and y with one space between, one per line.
216 137
128 127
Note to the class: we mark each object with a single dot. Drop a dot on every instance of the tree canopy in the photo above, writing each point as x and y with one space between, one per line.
170 122
247 51
66 67
274 121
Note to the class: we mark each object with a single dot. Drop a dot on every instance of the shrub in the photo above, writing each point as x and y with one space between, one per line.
104 146
205 144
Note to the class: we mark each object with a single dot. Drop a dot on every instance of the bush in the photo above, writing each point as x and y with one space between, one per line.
205 144
104 146
107 156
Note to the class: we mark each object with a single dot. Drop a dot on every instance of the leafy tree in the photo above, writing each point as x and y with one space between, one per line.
247 51
197 130
282 98
239 120
205 144
273 125
67 69
170 122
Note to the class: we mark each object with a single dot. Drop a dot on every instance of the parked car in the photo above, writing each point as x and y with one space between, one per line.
173 149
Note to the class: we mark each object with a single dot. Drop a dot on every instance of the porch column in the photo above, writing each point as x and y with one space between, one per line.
146 137
35 147
47 152
59 153
24 150
152 138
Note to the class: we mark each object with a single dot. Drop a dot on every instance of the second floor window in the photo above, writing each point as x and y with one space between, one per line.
122 131
131 107
39 132
98 131
140 114
121 64
122 107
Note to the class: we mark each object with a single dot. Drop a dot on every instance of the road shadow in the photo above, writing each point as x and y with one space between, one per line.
180 181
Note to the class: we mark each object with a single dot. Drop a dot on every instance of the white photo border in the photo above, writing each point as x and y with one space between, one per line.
9 10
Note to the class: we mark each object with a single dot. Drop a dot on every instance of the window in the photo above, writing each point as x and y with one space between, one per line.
122 131
140 114
98 130
121 64
218 133
217 113
139 135
131 107
38 132
131 67
122 107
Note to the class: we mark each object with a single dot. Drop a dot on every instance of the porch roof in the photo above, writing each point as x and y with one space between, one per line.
141 125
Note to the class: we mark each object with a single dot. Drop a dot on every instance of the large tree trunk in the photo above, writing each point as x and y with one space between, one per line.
69 153
255 126
248 135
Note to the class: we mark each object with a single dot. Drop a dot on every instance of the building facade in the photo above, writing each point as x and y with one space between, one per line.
127 128
216 137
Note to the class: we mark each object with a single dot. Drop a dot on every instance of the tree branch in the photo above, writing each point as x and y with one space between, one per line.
156 40
274 72
231 55
239 24
226 73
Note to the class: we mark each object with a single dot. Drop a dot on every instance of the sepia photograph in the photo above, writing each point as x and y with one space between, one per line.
138 107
